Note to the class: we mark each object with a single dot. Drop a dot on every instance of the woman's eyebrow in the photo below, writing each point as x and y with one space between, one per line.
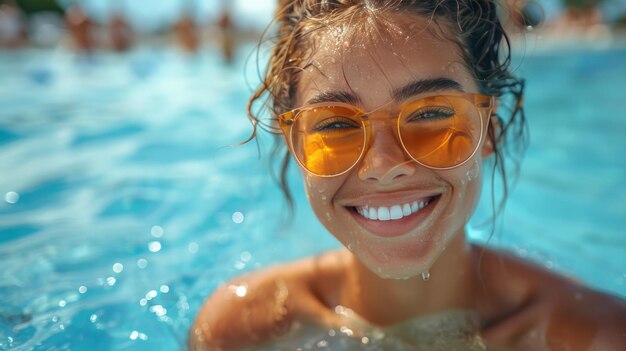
335 96
425 85
406 92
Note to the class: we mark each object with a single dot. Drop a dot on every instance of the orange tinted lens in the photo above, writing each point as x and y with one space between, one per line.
440 131
328 140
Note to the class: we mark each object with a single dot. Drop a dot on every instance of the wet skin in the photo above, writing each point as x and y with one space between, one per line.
380 276
523 307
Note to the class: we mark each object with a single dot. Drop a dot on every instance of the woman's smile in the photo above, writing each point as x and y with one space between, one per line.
393 214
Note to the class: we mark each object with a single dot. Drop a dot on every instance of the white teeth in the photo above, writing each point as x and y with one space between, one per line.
406 209
395 212
373 213
384 213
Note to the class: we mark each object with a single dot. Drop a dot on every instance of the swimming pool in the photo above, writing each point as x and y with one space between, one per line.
123 205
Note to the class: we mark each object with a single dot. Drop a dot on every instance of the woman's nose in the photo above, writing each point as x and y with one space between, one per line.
385 160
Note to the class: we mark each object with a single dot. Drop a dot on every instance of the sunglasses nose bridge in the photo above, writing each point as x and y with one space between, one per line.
384 157
380 121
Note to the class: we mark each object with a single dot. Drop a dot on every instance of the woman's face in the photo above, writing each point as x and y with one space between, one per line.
370 72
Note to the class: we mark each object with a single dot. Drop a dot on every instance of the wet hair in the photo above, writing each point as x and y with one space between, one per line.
473 25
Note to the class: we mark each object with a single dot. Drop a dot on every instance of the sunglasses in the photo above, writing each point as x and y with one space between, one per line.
436 131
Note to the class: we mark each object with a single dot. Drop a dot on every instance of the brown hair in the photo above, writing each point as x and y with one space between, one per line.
474 26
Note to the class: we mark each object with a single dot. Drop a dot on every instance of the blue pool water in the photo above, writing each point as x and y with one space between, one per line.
122 205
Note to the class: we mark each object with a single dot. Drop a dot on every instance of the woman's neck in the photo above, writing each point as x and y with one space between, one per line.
383 302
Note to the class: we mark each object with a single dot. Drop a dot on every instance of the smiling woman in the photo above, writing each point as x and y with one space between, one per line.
391 108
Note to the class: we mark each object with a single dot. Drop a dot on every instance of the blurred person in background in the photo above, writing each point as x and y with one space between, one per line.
120 32
187 34
81 28
226 33
581 19
583 13
45 28
12 33
186 30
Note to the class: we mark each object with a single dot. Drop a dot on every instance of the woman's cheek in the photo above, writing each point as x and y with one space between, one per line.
474 180
467 185
319 192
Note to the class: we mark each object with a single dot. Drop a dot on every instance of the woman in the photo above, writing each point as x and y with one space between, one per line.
390 108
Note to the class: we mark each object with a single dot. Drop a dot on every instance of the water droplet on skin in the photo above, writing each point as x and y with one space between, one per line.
322 344
350 247
425 276
346 330
239 290
473 172
578 296
378 334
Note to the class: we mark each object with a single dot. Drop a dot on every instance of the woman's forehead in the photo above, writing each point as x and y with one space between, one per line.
372 60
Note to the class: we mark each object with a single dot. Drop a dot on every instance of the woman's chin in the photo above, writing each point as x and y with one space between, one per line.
397 269
398 260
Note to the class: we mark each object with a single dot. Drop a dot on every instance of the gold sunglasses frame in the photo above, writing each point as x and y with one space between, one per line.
484 105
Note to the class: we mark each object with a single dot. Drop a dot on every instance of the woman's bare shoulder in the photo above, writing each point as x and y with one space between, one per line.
535 307
262 305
